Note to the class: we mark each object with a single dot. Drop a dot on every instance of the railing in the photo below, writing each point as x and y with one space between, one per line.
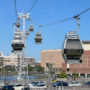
63 88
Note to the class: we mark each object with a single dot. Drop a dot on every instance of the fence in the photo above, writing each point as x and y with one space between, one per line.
64 88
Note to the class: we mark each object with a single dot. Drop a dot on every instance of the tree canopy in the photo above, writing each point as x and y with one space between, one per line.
75 75
63 74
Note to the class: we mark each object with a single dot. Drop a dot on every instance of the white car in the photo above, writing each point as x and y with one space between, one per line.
18 87
37 84
74 84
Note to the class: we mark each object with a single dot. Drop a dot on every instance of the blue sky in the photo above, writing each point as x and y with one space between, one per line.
44 12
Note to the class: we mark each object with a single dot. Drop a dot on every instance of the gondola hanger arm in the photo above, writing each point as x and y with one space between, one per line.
78 25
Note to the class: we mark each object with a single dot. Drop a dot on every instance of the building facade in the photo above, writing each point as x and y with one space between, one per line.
53 57
12 60
1 60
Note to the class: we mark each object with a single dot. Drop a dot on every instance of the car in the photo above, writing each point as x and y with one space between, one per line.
25 88
60 83
37 84
54 81
7 87
18 87
87 83
74 84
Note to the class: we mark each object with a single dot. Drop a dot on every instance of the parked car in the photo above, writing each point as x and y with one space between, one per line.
74 84
25 88
37 84
7 87
60 83
18 87
87 83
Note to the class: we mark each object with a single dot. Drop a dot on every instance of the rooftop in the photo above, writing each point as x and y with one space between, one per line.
86 42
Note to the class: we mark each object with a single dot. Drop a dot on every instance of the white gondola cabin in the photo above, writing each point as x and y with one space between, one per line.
17 42
38 38
73 49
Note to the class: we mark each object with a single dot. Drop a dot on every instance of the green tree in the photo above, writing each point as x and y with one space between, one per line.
30 68
39 68
63 74
75 75
10 68
0 69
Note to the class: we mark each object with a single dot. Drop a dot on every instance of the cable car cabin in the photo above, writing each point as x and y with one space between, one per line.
18 24
17 46
27 32
73 49
17 42
38 38
31 28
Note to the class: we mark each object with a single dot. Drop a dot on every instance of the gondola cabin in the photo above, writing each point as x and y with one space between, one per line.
31 28
18 24
17 42
73 49
27 32
38 38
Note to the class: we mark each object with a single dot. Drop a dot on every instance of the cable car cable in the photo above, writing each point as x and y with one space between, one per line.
16 10
32 6
67 19
60 21
81 13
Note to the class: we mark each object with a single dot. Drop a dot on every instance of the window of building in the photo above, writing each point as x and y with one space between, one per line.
80 61
68 69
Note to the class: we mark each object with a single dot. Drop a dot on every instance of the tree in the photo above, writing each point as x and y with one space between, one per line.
63 74
30 68
0 69
10 68
75 76
39 68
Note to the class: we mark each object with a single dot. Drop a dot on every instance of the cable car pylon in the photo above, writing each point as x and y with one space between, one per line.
19 45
